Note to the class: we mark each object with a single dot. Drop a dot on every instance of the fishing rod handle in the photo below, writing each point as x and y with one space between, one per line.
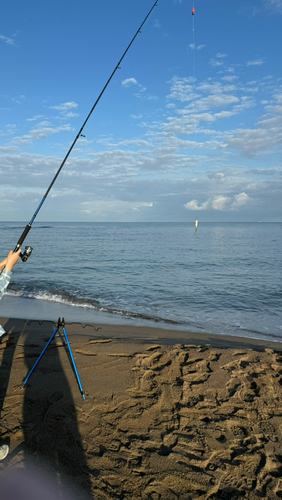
23 237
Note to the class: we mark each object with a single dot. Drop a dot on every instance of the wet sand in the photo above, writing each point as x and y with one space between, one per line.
167 415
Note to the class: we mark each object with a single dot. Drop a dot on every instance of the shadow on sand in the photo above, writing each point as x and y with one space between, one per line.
49 425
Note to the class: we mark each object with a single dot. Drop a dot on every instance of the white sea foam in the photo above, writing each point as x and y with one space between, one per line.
58 298
14 294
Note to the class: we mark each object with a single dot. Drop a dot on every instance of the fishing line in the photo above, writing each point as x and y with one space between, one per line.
28 226
194 46
83 325
194 59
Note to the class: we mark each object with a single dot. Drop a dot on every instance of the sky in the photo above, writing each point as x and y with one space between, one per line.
189 126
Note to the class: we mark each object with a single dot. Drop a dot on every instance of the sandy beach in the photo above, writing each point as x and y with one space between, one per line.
167 415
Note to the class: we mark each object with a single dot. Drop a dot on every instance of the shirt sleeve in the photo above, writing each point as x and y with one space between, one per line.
5 277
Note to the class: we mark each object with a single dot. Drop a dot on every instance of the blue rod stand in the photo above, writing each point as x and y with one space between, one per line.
60 324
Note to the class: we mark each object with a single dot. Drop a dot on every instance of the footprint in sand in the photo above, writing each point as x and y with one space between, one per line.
268 429
85 353
101 341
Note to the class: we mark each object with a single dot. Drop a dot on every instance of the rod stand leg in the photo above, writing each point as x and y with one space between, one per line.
73 361
60 324
39 358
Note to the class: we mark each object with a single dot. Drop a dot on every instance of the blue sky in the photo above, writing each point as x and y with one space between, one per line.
190 126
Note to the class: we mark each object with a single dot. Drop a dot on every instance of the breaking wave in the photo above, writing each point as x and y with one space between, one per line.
71 300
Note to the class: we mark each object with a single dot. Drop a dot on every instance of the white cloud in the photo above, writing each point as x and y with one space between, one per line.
41 132
65 110
211 101
104 207
240 200
230 78
65 106
182 89
216 175
8 40
215 101
140 91
9 129
83 142
34 118
251 142
70 115
18 99
129 81
220 203
132 180
194 205
214 62
256 62
8 149
230 69
274 5
127 142
193 46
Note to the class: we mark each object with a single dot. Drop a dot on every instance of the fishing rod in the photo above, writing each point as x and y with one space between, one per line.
28 249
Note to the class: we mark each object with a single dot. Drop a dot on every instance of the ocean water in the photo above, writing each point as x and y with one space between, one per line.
225 279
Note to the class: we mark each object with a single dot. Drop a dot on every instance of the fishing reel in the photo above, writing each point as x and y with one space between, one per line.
24 256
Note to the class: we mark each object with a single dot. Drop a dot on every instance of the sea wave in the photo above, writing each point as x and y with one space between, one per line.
13 293
53 297
73 301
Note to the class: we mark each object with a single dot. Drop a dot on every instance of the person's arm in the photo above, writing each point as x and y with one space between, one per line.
12 259
6 274
4 281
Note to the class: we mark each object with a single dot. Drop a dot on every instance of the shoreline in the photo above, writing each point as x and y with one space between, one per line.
46 310
139 334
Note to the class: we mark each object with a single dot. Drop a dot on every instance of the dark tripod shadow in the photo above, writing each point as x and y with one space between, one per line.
50 427
8 344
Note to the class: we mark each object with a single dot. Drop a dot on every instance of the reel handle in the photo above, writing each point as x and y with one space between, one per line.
27 253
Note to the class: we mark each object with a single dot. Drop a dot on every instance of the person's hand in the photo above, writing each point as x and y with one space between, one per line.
12 259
